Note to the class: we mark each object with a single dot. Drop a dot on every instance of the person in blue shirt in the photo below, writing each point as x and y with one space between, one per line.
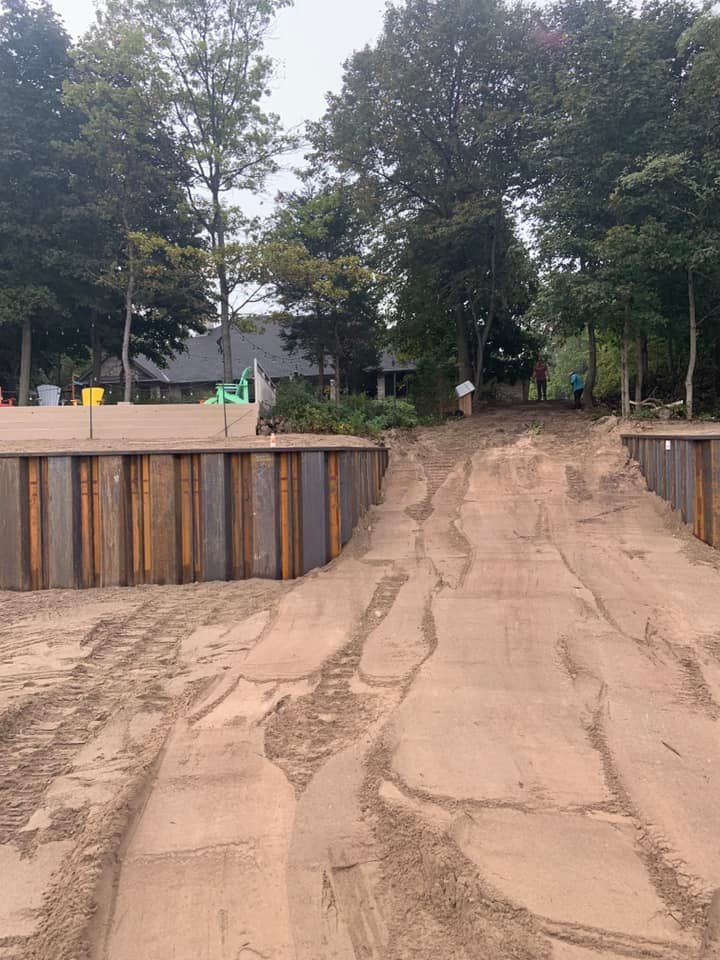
578 388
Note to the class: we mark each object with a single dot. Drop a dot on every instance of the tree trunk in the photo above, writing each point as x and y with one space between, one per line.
482 338
641 364
465 371
625 371
337 379
225 324
129 294
25 363
592 363
96 351
321 373
692 317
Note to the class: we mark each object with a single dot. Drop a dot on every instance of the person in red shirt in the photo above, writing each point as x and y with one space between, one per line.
541 375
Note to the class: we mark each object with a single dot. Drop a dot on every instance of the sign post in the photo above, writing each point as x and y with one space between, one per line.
464 392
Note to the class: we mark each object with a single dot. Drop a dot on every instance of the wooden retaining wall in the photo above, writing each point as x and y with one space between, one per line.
124 519
683 469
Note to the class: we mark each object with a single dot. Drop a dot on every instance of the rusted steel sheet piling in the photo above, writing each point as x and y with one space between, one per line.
683 469
122 519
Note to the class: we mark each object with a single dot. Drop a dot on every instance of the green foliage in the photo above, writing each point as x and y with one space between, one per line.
315 263
217 75
357 415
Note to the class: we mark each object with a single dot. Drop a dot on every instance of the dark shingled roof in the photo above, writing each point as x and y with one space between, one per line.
201 361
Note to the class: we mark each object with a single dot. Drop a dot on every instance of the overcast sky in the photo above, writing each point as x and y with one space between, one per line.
310 41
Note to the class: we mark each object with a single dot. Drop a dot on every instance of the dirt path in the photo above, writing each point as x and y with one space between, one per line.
490 730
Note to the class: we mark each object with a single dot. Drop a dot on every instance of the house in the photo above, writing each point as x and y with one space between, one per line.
193 374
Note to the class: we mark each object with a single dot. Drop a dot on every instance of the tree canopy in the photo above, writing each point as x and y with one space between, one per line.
491 179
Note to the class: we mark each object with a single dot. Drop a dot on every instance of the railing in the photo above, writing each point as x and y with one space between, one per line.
265 394
683 469
173 517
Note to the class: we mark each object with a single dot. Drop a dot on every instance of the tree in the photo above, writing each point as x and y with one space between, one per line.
216 75
127 140
430 121
34 182
609 79
314 261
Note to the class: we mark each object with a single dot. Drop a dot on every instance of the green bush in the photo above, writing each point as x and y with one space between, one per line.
356 415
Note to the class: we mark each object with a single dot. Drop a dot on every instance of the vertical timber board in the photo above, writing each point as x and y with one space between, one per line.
187 520
62 526
246 508
165 519
196 516
35 532
314 509
333 505
699 525
96 520
237 519
87 526
137 529
346 496
14 556
296 483
690 482
715 492
147 523
286 538
114 521
265 517
707 491
216 535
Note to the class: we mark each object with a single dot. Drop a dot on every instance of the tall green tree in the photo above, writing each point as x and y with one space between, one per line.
34 181
609 77
315 263
431 120
217 75
126 139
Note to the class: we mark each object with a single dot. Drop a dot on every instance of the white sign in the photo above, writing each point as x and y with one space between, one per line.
668 444
465 388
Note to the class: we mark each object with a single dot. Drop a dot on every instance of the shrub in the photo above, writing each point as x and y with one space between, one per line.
357 415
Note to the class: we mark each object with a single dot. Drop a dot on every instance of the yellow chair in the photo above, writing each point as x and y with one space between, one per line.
93 396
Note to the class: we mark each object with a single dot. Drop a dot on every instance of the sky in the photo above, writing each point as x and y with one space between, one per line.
310 43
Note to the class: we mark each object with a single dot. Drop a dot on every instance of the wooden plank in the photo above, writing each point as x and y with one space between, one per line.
197 519
165 519
237 534
37 581
14 556
96 521
315 511
690 483
63 544
137 531
346 497
265 517
334 520
286 564
247 513
86 576
714 492
187 536
215 520
147 524
295 475
699 524
114 522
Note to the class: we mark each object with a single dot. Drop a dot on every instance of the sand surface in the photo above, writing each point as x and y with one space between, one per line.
488 731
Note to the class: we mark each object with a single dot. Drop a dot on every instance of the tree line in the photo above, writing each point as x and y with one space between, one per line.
492 178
